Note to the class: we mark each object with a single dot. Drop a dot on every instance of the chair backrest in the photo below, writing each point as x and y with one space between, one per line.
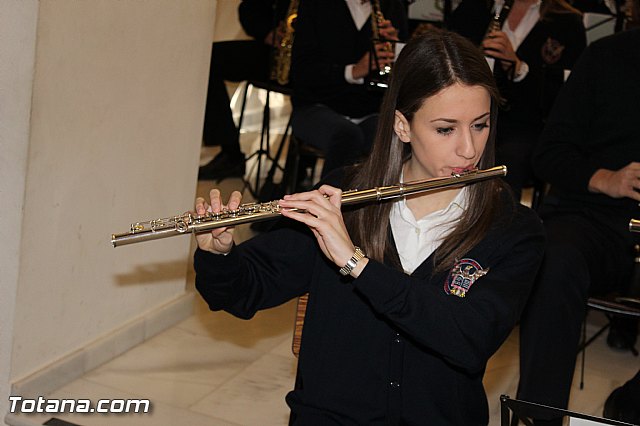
301 311
512 410
623 306
598 25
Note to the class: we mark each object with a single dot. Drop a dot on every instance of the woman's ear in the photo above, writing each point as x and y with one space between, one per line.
401 127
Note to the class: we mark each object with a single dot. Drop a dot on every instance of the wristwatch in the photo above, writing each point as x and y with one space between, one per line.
357 256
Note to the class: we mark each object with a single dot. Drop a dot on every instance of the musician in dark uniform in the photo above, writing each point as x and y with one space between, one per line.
238 60
408 298
590 154
537 42
333 110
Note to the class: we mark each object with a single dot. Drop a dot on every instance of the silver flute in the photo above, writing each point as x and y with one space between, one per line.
189 223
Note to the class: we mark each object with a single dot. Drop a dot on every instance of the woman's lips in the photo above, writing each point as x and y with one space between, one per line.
458 170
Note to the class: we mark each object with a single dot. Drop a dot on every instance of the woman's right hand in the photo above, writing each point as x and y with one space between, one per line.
497 45
219 240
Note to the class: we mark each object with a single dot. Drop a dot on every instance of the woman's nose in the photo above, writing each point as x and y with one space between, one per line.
466 147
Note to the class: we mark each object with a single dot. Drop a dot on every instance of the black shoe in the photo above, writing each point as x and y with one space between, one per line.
221 167
623 334
624 402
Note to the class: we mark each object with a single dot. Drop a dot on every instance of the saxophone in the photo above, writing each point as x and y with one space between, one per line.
282 55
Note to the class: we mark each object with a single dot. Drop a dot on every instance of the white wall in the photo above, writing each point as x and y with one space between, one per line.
17 50
116 105
227 26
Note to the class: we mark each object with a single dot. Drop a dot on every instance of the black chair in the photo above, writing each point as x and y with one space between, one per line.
302 165
263 153
297 175
514 412
539 190
613 306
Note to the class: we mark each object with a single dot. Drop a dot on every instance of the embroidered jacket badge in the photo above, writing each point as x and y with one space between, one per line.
551 51
464 273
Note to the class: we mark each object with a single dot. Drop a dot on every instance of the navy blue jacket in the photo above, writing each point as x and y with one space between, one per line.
386 348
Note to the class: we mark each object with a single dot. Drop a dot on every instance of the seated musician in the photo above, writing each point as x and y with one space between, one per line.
537 41
589 153
333 110
238 60
408 298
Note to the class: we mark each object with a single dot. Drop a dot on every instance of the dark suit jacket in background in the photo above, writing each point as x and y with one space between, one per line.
552 45
326 41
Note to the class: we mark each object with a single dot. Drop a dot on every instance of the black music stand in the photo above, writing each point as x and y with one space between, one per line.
513 410
600 23
263 153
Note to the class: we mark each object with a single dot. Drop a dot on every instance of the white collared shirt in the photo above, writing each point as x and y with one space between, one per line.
529 20
415 239
360 13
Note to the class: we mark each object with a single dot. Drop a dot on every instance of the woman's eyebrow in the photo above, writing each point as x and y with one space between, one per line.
453 120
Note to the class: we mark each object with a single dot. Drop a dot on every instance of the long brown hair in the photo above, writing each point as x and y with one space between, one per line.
556 6
428 63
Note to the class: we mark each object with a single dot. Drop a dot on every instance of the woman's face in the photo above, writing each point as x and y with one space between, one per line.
448 133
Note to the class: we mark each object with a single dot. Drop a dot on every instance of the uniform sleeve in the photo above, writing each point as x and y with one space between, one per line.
570 34
471 19
396 12
575 40
309 66
312 64
466 331
562 157
256 17
260 273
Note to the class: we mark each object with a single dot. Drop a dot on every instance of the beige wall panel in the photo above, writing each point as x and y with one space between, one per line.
227 24
17 49
116 123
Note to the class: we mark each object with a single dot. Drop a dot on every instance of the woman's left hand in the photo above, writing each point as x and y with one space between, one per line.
320 211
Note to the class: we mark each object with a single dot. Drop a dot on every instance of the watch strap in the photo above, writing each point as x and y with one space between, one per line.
351 263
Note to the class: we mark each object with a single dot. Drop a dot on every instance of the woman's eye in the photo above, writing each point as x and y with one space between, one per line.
480 126
444 130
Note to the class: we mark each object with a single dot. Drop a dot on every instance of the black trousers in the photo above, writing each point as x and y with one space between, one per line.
236 61
342 141
587 253
514 148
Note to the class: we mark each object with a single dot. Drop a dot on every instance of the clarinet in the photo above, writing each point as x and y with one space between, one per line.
499 18
380 79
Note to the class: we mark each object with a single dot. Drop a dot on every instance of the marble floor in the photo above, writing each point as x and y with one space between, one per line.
212 369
